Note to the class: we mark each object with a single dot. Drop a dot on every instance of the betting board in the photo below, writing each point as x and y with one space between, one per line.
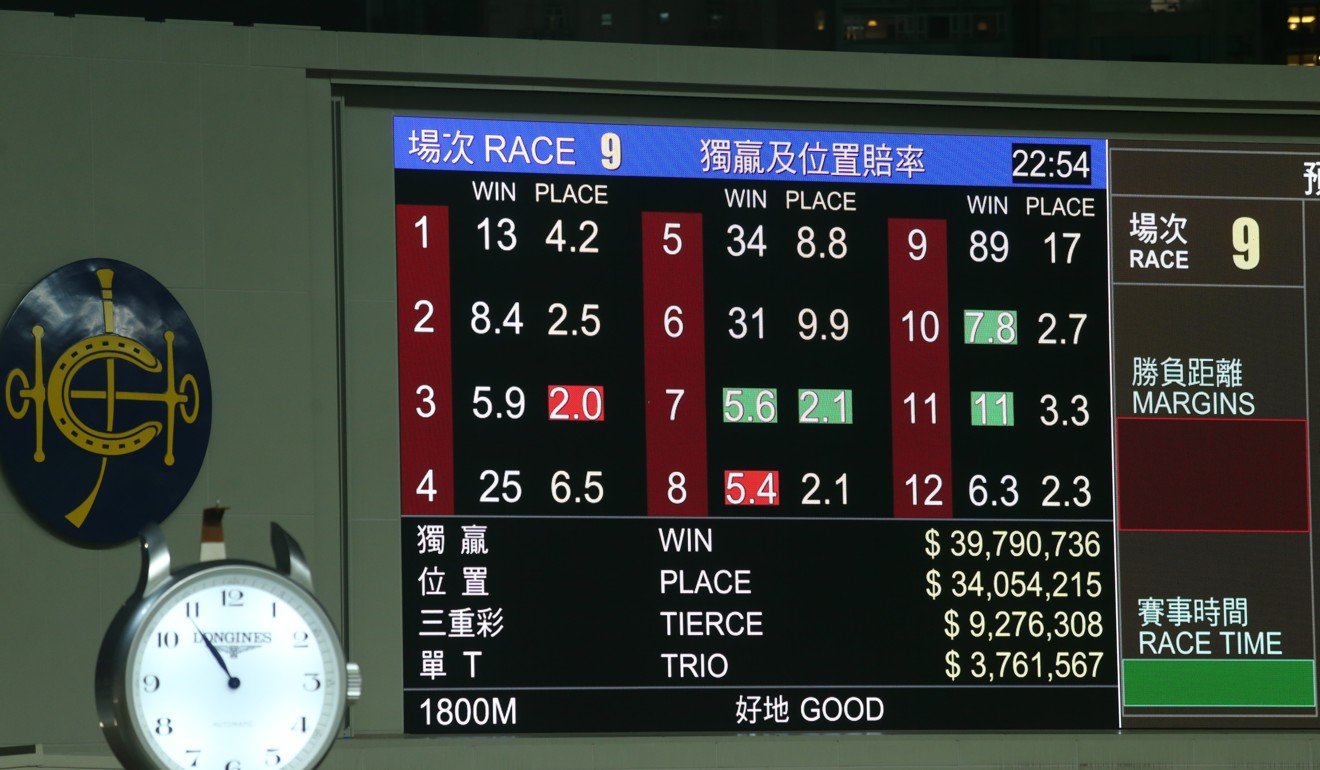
707 428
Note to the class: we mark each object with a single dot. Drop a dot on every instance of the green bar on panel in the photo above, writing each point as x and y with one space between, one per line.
1219 682
990 327
825 406
751 405
992 408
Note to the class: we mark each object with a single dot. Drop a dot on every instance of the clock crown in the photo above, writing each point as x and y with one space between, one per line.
353 682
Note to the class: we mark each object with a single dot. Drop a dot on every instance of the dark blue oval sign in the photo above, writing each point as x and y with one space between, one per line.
106 408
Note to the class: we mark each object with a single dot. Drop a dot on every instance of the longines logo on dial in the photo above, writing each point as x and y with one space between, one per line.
107 401
234 643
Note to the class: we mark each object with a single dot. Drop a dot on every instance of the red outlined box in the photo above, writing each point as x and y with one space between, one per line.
571 403
1213 475
751 487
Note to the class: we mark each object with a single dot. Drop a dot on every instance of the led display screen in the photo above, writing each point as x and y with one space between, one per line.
706 428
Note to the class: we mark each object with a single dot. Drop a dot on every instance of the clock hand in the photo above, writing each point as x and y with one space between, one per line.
233 680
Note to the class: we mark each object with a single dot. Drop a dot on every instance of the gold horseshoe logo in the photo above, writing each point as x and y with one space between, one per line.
180 398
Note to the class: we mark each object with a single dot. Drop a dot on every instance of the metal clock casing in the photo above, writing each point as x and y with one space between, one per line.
227 723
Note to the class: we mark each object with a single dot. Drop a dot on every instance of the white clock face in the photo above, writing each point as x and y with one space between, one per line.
279 701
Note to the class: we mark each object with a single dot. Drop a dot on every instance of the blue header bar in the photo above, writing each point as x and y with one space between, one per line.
692 152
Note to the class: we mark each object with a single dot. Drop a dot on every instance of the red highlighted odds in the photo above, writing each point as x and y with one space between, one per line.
576 403
751 487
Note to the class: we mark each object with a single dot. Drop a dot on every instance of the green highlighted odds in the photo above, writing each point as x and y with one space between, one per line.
992 408
990 327
751 405
825 406
1219 683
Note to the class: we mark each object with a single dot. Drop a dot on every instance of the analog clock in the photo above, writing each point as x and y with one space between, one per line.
225 665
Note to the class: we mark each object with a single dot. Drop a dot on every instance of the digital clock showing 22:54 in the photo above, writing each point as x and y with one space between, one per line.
1051 164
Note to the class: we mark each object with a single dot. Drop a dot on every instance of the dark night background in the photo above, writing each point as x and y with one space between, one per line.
1224 31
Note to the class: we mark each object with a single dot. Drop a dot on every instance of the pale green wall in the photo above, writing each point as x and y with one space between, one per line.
205 154
146 143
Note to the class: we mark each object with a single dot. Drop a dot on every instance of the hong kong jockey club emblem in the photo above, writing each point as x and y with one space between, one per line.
107 401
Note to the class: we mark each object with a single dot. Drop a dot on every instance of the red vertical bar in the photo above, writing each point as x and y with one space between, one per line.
426 407
919 285
674 334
